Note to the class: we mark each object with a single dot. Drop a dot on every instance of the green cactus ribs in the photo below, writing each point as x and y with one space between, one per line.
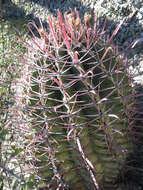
78 90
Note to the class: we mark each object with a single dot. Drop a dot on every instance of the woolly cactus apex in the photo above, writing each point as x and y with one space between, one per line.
78 103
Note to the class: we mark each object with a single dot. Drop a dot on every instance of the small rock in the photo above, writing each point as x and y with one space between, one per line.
139 15
141 34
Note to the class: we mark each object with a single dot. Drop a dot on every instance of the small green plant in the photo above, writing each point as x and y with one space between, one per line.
77 101
10 49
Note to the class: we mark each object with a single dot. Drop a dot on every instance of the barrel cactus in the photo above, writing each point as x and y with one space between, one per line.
77 100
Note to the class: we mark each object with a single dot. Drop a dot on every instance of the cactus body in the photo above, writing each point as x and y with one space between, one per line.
77 99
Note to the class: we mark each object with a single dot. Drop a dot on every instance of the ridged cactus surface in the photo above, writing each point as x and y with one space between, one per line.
77 100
